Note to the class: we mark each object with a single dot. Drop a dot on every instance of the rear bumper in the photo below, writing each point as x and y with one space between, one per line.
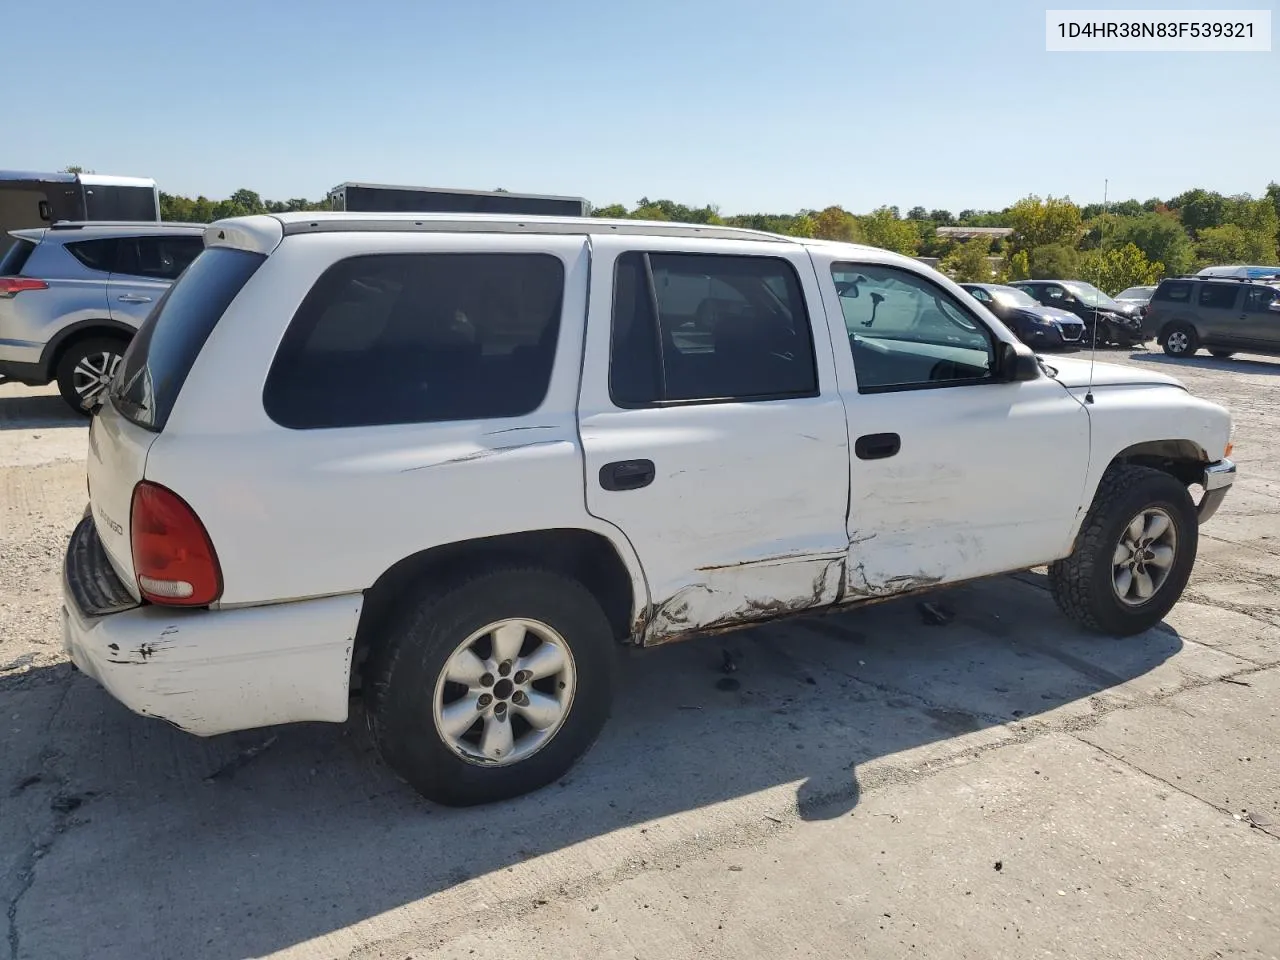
216 671
1217 480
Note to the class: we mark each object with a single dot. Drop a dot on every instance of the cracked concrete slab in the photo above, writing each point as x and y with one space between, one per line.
1050 849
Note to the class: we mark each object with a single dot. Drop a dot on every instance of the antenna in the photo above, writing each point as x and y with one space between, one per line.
1093 341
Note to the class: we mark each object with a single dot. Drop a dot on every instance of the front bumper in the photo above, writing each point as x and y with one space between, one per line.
214 671
1217 480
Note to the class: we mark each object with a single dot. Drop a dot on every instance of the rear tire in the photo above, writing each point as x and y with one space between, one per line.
1087 585
411 688
1180 340
85 370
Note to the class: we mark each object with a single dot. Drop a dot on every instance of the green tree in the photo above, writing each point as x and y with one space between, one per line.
1049 222
1020 266
917 213
1273 194
942 218
836 223
75 168
614 211
1117 268
882 228
1232 243
802 226
1054 261
969 263
1200 209
1160 238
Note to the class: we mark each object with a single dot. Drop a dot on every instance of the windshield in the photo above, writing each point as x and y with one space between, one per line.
1013 297
1090 294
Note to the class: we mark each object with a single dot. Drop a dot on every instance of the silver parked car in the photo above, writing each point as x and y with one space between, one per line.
73 294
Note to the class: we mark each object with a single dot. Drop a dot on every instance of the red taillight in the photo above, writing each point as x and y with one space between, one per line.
173 557
12 285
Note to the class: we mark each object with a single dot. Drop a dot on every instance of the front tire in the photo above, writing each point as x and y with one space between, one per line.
1180 340
1133 555
492 686
85 370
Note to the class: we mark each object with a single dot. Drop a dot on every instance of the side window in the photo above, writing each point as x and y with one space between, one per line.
705 327
980 295
1176 291
419 338
1052 294
906 333
158 258
1259 299
96 254
1218 295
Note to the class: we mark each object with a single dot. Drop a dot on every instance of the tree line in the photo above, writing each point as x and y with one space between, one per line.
1123 244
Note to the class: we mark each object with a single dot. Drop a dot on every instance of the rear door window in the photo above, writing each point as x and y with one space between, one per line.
157 258
419 338
708 327
155 366
1218 296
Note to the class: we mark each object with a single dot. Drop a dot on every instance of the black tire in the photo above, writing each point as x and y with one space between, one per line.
1180 347
401 674
1082 584
71 358
1222 354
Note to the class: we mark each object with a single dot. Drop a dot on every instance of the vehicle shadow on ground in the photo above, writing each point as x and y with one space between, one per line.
244 845
1236 364
26 413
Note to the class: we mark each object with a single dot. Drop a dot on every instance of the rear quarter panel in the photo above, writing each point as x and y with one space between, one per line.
306 513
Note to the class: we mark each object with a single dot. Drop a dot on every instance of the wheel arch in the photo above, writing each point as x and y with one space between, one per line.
78 332
607 569
1182 459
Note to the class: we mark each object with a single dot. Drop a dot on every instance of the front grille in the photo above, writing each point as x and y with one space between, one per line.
1072 331
90 578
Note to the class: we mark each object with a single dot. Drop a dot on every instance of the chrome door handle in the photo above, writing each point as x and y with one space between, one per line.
131 298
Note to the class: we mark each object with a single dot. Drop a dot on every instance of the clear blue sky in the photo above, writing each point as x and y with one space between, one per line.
747 104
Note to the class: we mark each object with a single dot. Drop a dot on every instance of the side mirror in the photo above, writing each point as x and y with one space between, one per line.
1274 306
1014 365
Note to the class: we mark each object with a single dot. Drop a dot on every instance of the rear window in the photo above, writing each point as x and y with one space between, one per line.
419 338
158 360
96 254
1176 291
15 258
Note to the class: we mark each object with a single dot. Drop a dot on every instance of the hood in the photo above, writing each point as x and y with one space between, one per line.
1051 313
1124 308
1074 372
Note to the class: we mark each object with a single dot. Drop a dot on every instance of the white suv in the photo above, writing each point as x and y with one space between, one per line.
450 462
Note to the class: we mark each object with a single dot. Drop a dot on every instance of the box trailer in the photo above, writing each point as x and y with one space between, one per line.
31 199
384 198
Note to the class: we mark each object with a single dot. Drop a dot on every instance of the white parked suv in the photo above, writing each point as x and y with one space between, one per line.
451 462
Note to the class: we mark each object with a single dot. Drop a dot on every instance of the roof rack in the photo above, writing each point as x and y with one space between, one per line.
146 224
1197 276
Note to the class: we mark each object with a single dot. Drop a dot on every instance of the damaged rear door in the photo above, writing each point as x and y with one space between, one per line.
713 430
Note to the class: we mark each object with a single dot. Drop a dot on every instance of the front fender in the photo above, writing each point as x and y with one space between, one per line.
1163 419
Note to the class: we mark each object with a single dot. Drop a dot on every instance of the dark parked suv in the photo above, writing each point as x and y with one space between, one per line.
1223 316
